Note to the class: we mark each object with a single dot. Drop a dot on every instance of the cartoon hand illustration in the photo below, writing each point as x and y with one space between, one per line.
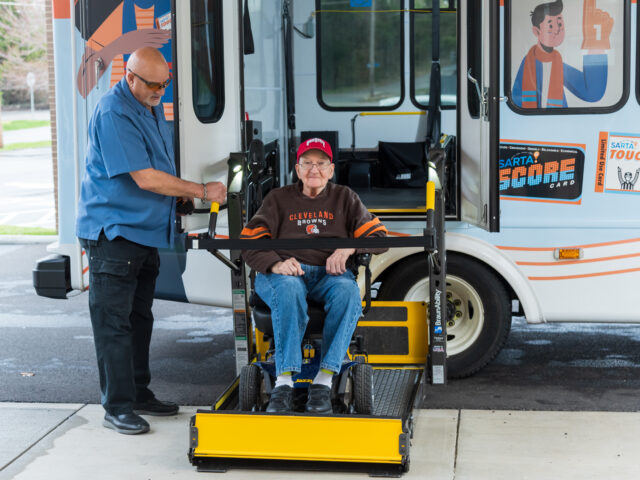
125 44
596 27
87 79
131 41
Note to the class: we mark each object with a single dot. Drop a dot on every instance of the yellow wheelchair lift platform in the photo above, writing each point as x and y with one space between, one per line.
224 437
404 349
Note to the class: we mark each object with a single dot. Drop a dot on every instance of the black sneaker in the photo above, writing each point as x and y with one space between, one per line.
319 399
281 400
127 423
156 408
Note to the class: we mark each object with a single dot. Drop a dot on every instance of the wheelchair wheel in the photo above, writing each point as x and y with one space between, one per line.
249 388
363 388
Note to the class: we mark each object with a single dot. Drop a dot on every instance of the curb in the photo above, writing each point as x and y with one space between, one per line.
27 239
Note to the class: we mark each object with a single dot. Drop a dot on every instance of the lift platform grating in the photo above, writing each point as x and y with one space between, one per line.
393 391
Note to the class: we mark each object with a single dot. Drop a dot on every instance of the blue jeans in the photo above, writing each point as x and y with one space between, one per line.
287 298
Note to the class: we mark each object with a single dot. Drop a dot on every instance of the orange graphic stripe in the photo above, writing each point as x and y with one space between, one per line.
557 144
108 31
573 262
366 227
587 275
627 136
117 70
397 234
61 9
168 111
540 200
144 17
85 270
551 249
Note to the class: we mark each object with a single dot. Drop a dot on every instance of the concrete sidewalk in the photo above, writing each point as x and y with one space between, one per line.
67 441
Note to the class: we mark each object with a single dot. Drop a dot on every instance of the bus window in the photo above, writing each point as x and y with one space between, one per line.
360 55
474 54
566 57
207 60
421 52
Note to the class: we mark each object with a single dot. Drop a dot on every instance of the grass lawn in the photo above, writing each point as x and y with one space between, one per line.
11 230
23 145
22 124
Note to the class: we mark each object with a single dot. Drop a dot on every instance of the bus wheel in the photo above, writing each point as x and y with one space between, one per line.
478 308
249 388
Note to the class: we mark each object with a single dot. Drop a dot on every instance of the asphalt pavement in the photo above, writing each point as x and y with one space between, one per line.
46 355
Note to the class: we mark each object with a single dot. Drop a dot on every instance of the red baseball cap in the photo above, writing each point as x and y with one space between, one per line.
315 144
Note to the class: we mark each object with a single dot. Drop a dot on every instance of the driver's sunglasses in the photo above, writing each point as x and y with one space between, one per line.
155 86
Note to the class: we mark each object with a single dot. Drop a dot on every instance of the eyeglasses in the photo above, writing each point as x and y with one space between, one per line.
322 166
155 86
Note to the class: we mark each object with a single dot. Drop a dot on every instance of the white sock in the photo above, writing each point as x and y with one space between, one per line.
284 379
324 377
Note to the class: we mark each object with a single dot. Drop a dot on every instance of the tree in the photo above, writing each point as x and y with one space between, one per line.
23 49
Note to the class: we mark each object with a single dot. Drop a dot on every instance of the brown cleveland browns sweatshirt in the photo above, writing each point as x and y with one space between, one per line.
286 212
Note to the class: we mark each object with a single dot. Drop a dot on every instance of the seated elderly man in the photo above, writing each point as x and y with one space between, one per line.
312 207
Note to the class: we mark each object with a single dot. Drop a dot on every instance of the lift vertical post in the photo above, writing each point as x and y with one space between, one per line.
242 332
437 358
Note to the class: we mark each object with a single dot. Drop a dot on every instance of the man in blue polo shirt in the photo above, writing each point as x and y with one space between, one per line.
126 212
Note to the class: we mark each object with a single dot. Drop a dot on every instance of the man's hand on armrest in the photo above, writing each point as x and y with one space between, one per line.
337 261
290 266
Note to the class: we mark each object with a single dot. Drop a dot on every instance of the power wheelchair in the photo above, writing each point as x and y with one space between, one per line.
352 390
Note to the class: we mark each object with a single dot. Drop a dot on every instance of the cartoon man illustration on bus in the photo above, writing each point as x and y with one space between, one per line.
543 76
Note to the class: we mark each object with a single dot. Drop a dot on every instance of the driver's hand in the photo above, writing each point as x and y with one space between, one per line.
216 192
337 261
290 266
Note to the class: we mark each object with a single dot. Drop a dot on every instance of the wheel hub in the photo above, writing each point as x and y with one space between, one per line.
465 312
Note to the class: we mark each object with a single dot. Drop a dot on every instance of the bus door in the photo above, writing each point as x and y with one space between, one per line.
209 110
478 112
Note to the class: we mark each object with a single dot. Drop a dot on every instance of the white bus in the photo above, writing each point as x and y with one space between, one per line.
539 101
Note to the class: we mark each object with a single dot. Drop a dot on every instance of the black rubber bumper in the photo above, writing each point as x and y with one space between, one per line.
52 276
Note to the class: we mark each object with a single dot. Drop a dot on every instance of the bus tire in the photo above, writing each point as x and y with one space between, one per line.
478 307
249 388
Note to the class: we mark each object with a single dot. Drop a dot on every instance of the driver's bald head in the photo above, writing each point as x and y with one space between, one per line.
148 61
147 70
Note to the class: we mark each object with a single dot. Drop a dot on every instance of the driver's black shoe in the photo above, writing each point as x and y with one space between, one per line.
127 423
319 399
156 408
281 400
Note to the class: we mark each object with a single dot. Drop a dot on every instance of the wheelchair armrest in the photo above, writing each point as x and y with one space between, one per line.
363 260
